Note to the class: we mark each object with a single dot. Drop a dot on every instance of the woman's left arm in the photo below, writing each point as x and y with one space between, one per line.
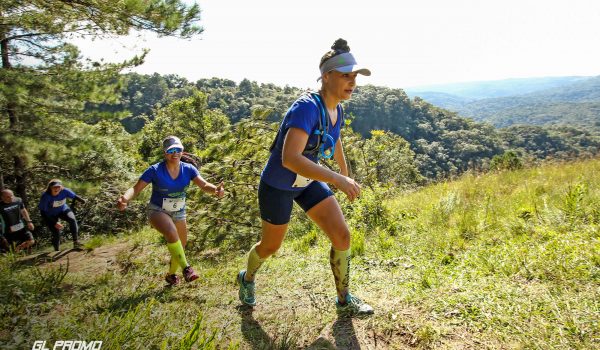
340 158
207 187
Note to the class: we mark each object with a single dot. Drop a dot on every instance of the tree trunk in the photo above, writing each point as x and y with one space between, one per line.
19 161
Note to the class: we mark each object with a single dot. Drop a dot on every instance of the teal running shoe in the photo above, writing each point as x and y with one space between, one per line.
246 290
354 307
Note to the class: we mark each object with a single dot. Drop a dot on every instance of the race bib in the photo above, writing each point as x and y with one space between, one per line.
301 181
17 227
60 203
173 204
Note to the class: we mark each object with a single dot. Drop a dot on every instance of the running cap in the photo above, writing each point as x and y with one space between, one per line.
344 63
55 183
171 142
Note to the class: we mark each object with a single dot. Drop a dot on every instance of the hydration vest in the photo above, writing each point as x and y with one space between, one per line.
325 147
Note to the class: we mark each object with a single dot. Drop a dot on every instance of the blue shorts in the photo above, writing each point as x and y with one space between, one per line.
175 215
276 205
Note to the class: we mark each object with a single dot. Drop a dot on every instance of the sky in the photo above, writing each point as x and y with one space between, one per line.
403 43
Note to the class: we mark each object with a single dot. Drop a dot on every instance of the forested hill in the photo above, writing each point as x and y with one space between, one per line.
568 101
444 142
479 90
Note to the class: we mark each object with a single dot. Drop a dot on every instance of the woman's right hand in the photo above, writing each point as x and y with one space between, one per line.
58 226
347 185
122 203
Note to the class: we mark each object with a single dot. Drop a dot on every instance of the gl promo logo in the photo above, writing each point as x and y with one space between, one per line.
68 345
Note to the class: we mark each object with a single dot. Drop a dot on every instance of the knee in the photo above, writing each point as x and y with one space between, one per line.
171 236
341 240
71 218
265 250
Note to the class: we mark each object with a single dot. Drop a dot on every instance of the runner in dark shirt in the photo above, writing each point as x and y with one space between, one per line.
16 223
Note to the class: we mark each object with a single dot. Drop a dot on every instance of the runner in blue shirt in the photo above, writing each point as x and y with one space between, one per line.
166 210
309 132
53 206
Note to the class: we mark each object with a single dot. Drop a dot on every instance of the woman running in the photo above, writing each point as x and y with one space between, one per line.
53 206
309 132
170 179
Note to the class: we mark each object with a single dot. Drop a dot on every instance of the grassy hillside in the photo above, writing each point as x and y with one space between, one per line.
501 261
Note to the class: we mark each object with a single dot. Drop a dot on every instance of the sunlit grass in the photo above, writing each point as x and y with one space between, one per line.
505 260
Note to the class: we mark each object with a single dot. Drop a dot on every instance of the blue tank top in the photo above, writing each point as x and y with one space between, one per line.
303 114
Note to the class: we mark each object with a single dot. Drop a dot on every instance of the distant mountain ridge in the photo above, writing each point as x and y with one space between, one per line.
536 101
478 90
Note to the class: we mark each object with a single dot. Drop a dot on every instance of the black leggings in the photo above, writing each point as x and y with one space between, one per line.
69 217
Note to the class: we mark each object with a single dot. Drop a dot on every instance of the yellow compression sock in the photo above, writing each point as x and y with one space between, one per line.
340 265
254 263
174 265
177 254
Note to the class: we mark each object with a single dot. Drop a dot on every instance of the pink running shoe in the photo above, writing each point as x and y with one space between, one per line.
189 275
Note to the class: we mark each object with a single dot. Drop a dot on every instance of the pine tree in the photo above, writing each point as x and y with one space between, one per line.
43 75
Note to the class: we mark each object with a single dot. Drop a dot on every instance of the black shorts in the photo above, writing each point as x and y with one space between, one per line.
23 235
276 205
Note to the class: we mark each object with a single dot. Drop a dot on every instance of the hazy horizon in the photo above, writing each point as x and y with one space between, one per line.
405 45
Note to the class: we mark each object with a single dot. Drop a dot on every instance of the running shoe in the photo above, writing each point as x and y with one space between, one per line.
172 279
353 307
189 275
246 290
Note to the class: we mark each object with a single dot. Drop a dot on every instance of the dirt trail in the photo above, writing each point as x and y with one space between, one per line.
95 262
270 323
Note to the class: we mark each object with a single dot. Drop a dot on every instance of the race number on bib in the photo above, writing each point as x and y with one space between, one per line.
173 204
60 203
301 181
17 227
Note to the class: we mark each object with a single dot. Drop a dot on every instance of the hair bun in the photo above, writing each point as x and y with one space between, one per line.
340 46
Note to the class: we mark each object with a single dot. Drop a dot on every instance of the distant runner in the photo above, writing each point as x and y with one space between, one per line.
166 210
53 206
16 223
310 131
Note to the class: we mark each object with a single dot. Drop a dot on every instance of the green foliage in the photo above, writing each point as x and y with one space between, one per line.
45 282
573 202
308 240
555 142
44 83
368 211
510 160
93 160
189 119
236 156
526 278
501 250
196 338
538 101
384 158
444 143
141 95
357 243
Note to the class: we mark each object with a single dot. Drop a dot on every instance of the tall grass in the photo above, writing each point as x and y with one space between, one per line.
506 260
514 256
